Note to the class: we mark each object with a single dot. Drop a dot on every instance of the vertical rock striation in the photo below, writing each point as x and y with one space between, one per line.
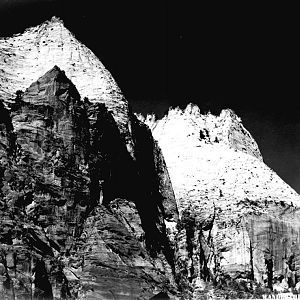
80 218
87 206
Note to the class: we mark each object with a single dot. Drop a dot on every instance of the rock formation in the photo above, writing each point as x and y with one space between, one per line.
80 218
27 56
238 220
93 207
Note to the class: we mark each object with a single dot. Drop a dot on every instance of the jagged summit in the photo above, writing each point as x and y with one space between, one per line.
237 210
56 19
227 128
51 22
39 48
207 149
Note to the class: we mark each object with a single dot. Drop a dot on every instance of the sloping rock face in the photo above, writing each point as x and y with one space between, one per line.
239 222
87 207
27 56
80 218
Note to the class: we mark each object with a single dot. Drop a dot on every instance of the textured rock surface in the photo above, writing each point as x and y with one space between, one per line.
27 56
238 218
80 218
87 207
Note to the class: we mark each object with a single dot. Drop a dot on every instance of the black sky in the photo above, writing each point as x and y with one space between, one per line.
165 53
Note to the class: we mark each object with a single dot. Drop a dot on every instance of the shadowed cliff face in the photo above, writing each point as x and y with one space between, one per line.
79 216
87 207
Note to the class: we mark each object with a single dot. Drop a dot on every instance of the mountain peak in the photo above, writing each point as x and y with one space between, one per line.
55 19
226 128
241 210
26 57
54 72
50 87
192 109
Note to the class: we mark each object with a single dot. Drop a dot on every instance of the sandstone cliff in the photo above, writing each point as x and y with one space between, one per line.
26 56
238 220
87 206
80 218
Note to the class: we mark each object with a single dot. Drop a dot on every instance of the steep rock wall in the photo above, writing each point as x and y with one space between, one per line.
81 218
238 219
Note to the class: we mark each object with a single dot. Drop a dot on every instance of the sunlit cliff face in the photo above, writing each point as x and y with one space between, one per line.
228 196
96 207
27 56
85 196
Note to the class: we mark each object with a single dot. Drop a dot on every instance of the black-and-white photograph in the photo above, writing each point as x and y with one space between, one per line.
148 150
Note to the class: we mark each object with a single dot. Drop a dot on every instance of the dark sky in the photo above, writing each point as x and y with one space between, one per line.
164 53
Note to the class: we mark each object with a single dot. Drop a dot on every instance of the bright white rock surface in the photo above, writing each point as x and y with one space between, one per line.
27 56
236 211
216 157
